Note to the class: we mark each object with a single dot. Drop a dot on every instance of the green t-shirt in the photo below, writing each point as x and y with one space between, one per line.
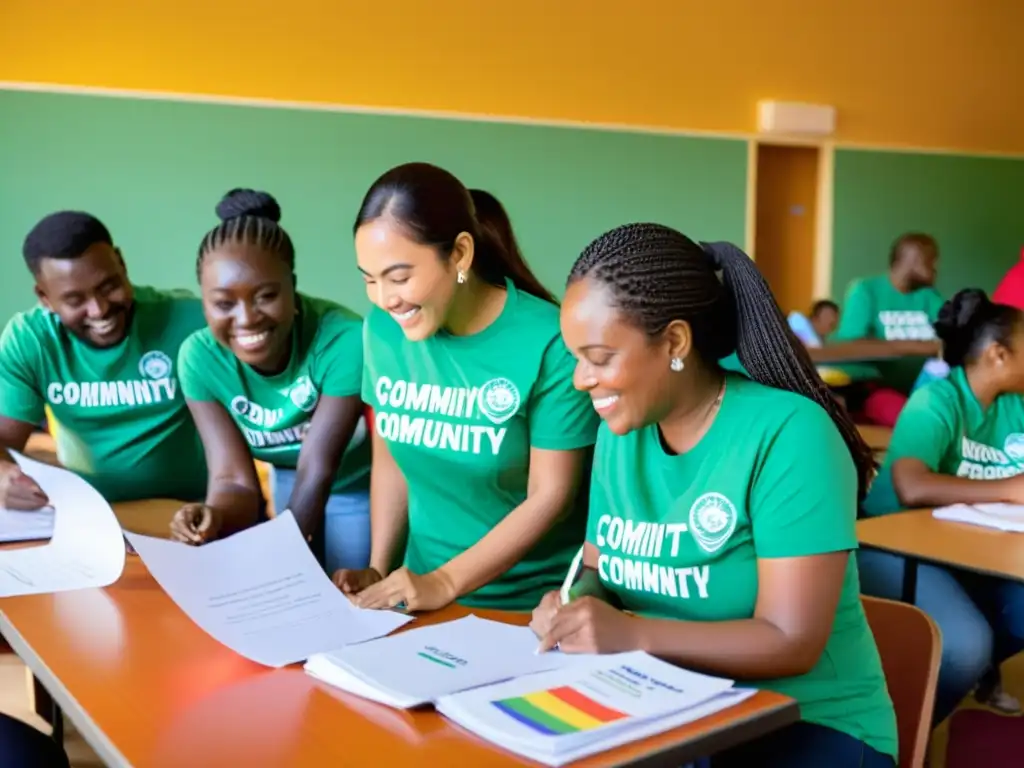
460 414
874 309
274 412
770 478
944 425
122 423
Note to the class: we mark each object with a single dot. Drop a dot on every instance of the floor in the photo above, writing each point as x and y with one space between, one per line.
15 701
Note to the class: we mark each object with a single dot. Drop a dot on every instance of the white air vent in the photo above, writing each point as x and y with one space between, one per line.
787 117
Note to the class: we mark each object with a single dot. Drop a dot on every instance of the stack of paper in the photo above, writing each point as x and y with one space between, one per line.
1003 517
25 526
560 716
421 665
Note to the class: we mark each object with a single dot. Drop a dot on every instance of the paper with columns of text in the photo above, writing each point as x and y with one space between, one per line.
262 593
87 546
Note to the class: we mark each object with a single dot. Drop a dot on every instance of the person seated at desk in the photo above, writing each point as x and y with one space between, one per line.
275 377
961 439
480 439
722 508
99 352
891 316
815 329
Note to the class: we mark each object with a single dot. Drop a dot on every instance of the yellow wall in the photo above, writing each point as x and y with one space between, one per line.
935 73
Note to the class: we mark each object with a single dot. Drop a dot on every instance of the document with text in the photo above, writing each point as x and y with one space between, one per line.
262 593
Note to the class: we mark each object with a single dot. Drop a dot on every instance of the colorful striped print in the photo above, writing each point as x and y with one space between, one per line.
558 711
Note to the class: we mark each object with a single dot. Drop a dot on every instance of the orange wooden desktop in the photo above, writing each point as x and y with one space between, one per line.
146 687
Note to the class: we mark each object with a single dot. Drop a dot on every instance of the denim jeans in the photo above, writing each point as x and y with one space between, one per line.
801 745
981 618
346 527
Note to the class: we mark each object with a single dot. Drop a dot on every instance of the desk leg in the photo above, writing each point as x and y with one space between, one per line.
909 580
58 724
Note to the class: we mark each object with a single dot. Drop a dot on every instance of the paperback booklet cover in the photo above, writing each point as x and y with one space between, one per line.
559 716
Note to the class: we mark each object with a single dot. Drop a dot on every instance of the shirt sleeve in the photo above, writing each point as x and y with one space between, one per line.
804 499
856 315
561 418
367 385
597 499
339 363
193 360
21 390
924 429
935 305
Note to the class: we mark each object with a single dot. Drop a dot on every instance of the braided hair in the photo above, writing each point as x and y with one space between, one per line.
248 217
657 275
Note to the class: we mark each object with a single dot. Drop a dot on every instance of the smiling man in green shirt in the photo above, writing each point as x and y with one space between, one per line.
100 354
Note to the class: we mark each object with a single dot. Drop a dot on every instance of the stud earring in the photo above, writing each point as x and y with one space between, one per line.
677 364
461 278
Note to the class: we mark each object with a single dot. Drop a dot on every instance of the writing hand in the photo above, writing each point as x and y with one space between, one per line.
20 492
195 524
589 625
403 587
354 580
544 613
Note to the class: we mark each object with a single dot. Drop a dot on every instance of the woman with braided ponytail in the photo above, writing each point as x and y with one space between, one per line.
722 508
275 376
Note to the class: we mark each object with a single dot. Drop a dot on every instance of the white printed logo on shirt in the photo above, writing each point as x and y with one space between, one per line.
712 521
155 365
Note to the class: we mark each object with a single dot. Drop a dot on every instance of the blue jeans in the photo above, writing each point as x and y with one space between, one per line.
346 528
801 745
981 618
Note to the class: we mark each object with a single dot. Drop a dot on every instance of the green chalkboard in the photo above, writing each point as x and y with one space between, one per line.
971 205
153 171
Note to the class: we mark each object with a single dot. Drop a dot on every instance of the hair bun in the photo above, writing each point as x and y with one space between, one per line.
962 313
248 202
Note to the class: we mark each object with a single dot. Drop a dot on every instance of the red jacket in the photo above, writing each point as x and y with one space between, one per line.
1011 289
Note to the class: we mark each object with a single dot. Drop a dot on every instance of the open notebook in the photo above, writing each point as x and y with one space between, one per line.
1002 517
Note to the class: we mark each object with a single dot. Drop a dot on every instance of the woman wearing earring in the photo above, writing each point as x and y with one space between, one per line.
275 376
480 441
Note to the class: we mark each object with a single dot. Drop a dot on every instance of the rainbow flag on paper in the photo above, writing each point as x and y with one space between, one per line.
559 710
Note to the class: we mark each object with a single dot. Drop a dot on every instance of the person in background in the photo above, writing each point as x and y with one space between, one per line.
1010 290
747 489
275 376
891 316
22 746
814 331
99 353
480 440
961 440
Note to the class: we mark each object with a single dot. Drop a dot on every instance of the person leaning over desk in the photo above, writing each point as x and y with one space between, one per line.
100 353
275 376
961 440
480 440
722 508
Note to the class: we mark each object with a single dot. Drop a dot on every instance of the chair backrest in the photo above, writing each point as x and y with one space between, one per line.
910 645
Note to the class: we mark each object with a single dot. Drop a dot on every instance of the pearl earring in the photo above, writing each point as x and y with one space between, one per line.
677 364
461 277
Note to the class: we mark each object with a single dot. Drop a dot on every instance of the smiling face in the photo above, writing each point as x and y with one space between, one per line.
625 371
90 294
249 302
407 279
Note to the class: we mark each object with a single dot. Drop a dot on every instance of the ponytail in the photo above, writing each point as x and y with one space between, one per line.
434 208
659 275
969 322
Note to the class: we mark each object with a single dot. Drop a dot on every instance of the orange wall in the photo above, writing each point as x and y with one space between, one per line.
935 73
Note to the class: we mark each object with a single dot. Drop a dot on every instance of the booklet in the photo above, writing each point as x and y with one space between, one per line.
1002 517
566 714
418 666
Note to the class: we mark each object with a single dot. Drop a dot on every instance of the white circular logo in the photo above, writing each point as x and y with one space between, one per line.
155 365
1014 446
498 400
304 394
712 521
240 405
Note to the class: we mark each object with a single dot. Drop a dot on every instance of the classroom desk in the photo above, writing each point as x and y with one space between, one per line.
876 437
919 537
146 687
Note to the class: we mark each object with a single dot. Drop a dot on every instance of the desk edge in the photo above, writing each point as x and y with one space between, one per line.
91 732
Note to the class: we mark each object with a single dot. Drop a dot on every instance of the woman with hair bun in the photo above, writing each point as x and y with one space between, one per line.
961 440
275 376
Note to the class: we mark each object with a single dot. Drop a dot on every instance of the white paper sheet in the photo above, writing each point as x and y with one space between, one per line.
262 593
26 526
1002 517
87 547
421 665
